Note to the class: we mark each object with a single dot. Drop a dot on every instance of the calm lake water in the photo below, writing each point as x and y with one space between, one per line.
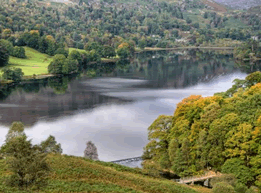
114 104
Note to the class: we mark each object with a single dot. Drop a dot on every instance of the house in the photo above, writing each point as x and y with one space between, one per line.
254 38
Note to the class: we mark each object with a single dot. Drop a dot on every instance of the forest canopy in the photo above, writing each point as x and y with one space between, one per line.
221 132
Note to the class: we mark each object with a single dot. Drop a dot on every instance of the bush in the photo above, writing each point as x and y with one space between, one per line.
14 74
223 187
228 178
240 188
19 52
253 190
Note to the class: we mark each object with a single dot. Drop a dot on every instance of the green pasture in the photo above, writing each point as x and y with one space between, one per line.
34 63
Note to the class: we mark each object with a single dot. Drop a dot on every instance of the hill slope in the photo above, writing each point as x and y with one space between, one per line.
76 174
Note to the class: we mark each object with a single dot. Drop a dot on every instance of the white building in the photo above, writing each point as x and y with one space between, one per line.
255 38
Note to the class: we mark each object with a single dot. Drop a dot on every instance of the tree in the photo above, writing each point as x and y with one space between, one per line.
205 15
76 55
157 136
237 167
70 66
16 130
123 53
94 56
90 151
188 20
14 74
25 161
56 66
63 51
19 52
50 145
4 56
108 51
28 165
8 46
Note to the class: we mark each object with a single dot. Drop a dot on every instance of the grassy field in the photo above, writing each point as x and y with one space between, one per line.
35 63
77 174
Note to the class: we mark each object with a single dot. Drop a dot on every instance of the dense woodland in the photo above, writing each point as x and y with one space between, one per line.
221 133
148 24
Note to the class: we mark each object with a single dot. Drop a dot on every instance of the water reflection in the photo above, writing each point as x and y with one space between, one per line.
113 104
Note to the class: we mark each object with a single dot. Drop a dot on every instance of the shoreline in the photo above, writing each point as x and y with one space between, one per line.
188 47
108 60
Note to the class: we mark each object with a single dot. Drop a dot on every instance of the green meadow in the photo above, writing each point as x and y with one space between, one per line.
37 62
34 63
77 174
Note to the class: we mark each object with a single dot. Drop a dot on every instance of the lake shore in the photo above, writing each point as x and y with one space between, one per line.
188 47
41 75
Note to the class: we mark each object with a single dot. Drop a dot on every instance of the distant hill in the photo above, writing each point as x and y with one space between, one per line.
239 4
255 10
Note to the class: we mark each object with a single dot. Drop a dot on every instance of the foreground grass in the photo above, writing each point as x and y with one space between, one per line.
76 174
34 63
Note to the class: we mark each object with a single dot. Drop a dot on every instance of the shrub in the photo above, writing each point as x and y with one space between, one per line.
223 187
19 52
228 178
14 74
240 188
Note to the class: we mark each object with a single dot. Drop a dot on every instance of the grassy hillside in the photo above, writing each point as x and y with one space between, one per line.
77 174
34 63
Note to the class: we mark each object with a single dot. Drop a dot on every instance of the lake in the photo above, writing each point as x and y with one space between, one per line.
113 104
